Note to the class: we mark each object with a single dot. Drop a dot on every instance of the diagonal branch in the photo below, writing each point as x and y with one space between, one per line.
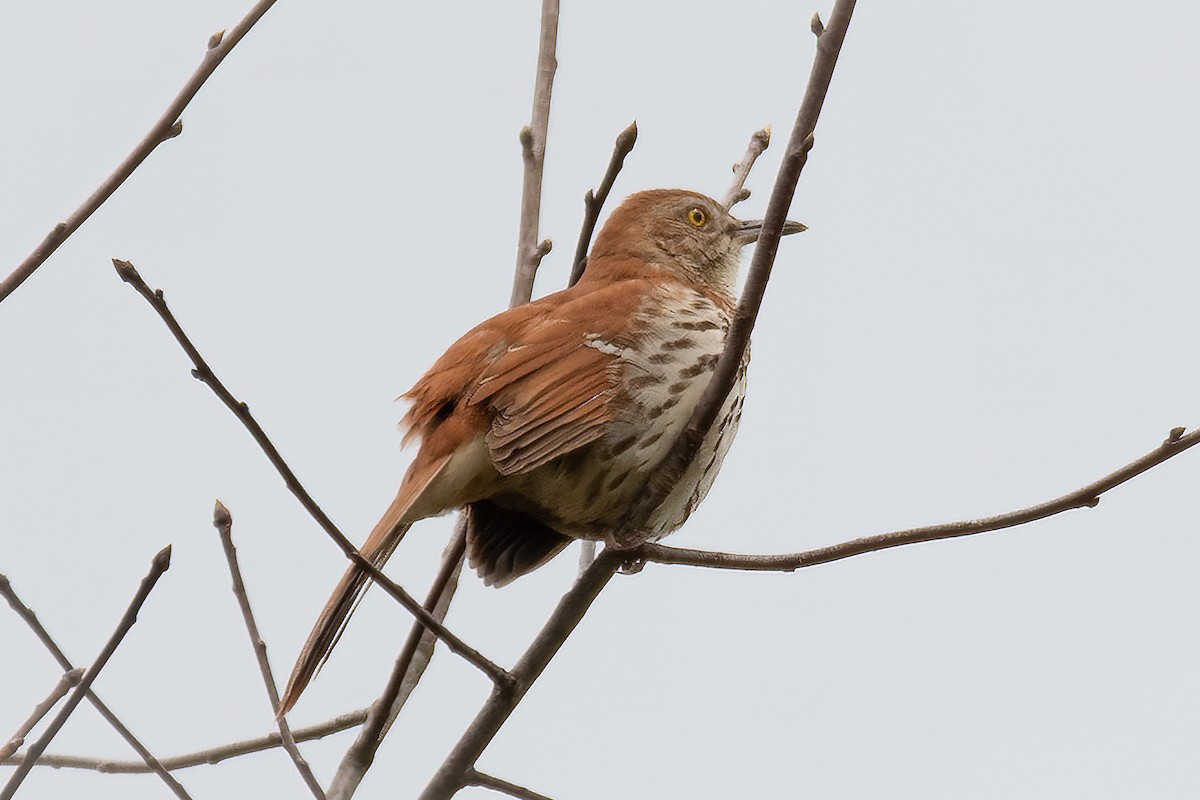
1085 497
406 674
418 649
167 127
223 522
65 684
594 202
759 142
533 153
212 755
687 443
160 564
149 763
456 770
205 375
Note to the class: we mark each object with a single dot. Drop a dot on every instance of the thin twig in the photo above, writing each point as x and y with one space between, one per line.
212 755
454 772
64 685
759 142
688 442
149 763
533 153
160 564
477 778
418 649
594 201
167 127
1085 497
406 674
223 522
205 375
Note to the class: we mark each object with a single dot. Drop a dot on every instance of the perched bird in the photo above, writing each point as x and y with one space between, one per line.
545 422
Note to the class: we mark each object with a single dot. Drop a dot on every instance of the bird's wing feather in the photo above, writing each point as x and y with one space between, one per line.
545 374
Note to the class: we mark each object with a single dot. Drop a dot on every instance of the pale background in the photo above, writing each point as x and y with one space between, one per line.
994 305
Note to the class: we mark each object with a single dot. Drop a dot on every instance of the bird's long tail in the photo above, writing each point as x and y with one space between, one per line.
332 622
378 548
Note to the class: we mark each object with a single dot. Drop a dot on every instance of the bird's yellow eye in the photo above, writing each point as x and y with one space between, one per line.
697 218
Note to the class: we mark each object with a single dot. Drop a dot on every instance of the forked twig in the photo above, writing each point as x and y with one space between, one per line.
593 202
160 564
64 685
210 755
1085 497
223 522
203 373
167 127
533 152
148 761
759 142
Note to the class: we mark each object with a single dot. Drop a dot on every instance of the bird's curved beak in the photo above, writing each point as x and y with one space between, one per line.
748 231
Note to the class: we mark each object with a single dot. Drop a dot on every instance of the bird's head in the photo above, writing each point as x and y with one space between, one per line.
683 232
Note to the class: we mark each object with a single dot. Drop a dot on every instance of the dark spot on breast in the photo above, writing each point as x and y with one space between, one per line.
623 445
642 381
654 413
616 481
678 387
705 364
593 490
695 325
650 440
679 344
671 402
661 358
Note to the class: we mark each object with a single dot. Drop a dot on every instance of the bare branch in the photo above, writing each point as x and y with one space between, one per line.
160 564
688 442
406 674
477 778
149 763
533 152
64 685
212 755
759 142
1086 497
594 202
458 766
223 522
205 375
167 127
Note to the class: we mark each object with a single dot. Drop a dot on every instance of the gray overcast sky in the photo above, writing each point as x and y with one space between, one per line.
991 308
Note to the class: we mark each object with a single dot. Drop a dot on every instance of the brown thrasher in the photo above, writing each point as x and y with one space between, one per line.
546 421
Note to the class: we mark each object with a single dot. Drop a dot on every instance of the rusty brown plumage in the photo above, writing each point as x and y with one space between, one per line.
545 421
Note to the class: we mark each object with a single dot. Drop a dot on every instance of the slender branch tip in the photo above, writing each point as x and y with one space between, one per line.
215 40
627 137
221 516
816 25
